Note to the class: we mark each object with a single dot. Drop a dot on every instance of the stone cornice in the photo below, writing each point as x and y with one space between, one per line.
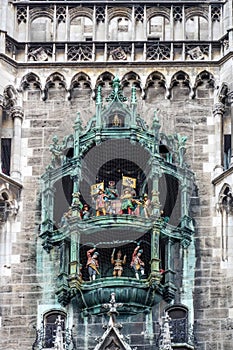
122 2
7 179
222 176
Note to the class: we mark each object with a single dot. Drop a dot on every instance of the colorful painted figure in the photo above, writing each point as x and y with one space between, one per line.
146 206
92 263
128 203
76 204
118 263
137 264
86 212
100 203
111 191
112 194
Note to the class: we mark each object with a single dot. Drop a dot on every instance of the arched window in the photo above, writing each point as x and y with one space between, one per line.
81 29
41 29
179 323
196 28
120 29
159 28
225 207
50 327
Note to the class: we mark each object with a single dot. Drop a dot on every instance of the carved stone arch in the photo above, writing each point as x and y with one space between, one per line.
158 11
55 81
81 24
105 81
30 81
155 86
120 24
80 12
119 12
196 11
204 83
158 24
49 321
38 12
10 96
131 79
41 25
179 319
8 201
224 207
180 83
80 84
196 24
225 197
31 84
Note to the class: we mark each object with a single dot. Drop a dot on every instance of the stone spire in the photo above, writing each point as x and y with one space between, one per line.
112 305
165 337
112 338
116 94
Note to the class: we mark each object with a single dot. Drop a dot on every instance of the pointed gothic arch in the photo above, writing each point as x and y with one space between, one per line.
204 85
180 86
155 86
80 85
55 85
131 79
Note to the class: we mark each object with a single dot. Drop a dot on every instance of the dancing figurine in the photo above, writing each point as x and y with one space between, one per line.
118 263
137 264
146 206
100 203
128 203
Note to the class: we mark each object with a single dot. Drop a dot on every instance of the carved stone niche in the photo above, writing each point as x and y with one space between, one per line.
9 197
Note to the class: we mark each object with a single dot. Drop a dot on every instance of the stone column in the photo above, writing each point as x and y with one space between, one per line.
76 173
230 99
1 114
169 259
17 115
75 266
218 115
155 260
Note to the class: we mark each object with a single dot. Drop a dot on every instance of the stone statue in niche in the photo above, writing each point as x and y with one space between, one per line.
116 121
57 152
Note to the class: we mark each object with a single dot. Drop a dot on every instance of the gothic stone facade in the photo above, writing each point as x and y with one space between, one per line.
53 56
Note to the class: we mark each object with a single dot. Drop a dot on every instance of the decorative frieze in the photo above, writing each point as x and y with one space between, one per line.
79 53
157 52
